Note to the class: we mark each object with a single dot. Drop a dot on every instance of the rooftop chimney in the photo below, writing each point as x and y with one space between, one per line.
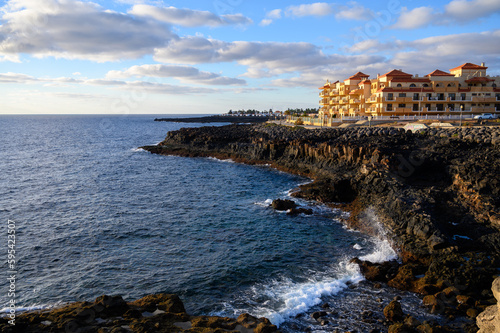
482 64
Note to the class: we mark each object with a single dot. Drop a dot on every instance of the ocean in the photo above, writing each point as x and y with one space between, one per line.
96 215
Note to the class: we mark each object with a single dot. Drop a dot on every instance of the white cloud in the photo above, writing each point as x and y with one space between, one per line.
188 17
270 17
76 30
353 12
415 18
455 12
444 52
148 87
367 45
274 14
465 11
270 57
265 22
183 73
314 9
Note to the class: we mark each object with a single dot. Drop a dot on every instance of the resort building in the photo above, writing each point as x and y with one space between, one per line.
466 88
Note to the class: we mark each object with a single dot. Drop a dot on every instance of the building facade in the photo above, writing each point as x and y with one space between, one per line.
466 88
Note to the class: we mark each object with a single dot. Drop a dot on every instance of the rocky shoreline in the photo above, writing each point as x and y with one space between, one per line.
111 314
436 192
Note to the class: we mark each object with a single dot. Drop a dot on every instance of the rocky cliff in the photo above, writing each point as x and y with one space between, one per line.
436 192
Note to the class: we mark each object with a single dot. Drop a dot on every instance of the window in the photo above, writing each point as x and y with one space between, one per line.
438 85
425 85
441 97
463 96
401 105
440 107
416 96
451 107
413 85
451 96
390 96
399 85
415 107
402 95
428 106
389 107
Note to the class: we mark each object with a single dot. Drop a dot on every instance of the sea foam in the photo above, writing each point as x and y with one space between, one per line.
287 298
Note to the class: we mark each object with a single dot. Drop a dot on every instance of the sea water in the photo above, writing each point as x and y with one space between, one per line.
96 215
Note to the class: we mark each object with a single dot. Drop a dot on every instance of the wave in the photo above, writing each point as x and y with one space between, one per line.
219 160
36 307
283 299
265 203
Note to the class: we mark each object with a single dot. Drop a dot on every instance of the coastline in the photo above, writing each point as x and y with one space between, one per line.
337 166
439 208
217 119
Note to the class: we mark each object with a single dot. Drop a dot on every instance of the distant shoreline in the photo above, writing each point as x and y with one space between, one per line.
217 119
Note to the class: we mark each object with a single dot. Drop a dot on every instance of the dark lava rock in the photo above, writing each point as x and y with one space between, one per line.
393 312
283 204
167 314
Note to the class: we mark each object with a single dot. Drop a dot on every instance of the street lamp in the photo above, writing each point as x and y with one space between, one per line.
461 110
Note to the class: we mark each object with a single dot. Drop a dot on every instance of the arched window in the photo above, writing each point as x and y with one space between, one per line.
425 85
399 85
437 85
413 85
494 85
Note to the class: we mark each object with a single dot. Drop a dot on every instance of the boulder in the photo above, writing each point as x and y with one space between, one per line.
283 204
165 302
488 321
393 312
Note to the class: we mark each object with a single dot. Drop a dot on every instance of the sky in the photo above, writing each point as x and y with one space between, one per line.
209 57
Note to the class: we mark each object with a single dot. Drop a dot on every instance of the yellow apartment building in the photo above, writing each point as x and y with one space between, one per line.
465 89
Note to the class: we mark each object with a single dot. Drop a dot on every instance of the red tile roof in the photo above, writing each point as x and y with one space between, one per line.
402 79
396 72
415 90
468 65
359 75
365 82
438 72
480 79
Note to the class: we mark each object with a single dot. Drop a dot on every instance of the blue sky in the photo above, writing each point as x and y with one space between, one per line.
154 57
